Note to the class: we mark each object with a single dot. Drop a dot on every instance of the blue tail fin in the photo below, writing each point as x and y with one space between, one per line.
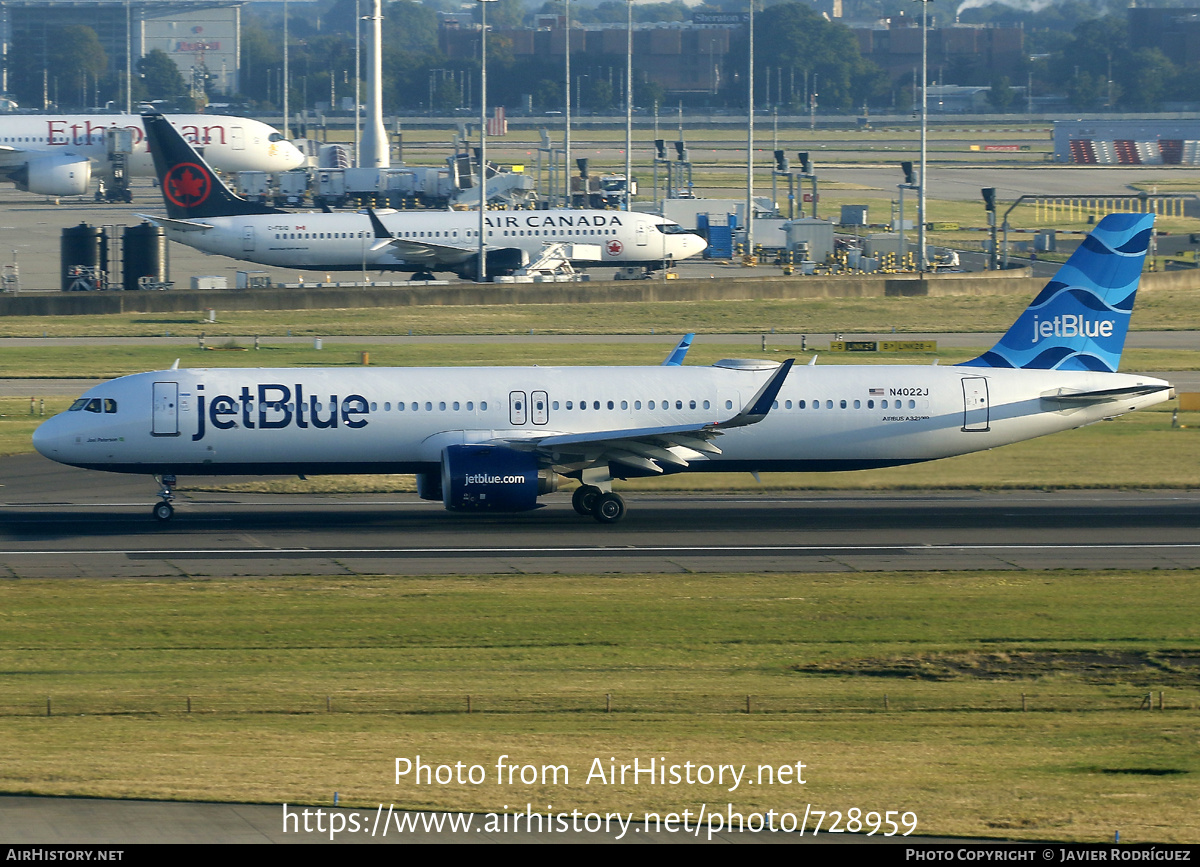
675 359
1078 322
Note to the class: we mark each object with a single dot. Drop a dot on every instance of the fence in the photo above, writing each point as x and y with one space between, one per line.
657 702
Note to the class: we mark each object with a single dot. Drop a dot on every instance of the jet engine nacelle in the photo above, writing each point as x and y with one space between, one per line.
502 261
54 175
495 478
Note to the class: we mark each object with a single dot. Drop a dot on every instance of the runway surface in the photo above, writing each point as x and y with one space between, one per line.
58 522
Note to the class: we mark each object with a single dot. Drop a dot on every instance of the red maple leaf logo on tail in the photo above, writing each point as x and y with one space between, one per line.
187 185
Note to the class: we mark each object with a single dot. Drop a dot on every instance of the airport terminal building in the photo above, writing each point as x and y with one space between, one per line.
1127 142
194 33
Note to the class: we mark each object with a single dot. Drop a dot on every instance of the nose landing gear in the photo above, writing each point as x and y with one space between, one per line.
164 511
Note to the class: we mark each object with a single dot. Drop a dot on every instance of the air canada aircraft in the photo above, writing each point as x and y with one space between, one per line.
203 213
496 438
59 154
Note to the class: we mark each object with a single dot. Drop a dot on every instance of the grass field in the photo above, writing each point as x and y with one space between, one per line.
1156 310
897 691
993 704
71 362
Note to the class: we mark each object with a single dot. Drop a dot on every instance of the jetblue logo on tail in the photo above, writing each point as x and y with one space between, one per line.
1079 320
1071 325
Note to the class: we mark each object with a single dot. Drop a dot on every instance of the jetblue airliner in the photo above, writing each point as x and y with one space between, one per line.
497 438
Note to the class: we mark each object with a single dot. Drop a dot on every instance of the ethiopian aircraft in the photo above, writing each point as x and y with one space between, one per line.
496 438
203 213
60 154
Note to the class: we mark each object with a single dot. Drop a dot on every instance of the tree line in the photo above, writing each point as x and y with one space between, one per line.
1087 58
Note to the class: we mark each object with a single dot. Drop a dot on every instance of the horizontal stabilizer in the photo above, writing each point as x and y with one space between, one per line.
179 225
1103 394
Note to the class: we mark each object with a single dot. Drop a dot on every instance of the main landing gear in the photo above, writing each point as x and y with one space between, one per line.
164 511
605 506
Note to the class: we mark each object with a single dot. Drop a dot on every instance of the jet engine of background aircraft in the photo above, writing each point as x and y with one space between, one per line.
54 175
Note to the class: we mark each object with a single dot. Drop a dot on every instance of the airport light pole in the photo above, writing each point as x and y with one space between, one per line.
567 116
358 77
924 125
481 275
286 129
628 104
750 141
128 58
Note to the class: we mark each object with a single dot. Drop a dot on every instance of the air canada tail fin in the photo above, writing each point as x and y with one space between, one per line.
1078 322
189 186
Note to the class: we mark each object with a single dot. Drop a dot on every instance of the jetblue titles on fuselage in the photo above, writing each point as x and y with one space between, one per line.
276 409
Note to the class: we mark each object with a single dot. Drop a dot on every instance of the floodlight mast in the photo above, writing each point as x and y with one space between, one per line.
481 273
924 130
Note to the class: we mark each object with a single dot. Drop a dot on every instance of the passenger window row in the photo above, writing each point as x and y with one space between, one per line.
843 404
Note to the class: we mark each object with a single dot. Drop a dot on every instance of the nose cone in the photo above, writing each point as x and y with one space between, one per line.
45 440
290 156
696 245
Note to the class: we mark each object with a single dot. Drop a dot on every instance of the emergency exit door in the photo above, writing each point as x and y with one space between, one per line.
976 407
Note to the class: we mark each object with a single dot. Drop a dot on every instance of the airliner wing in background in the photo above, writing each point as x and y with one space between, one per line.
11 156
424 253
430 255
648 448
433 256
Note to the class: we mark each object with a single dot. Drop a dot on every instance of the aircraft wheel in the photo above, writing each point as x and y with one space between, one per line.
164 511
609 508
584 499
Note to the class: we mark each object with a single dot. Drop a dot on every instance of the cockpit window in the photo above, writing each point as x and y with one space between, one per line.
275 137
78 405
110 405
93 405
672 229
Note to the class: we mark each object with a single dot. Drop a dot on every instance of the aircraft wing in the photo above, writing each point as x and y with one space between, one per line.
420 252
11 157
425 253
649 449
180 225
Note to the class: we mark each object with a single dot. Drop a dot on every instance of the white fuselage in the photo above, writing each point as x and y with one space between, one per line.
346 241
230 144
257 421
